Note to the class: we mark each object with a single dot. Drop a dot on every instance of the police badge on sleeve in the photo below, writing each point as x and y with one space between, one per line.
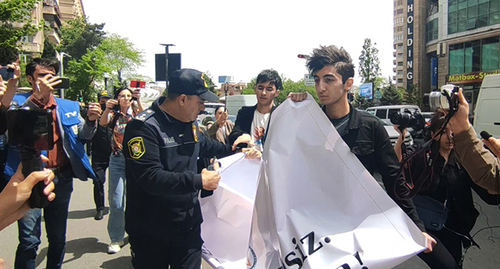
136 147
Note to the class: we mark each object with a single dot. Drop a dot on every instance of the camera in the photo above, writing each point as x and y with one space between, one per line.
6 73
442 99
30 130
407 119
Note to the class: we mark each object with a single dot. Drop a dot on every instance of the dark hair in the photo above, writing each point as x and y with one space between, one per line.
117 92
437 121
272 76
217 108
43 62
331 55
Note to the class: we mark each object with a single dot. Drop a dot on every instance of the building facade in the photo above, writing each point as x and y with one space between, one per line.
54 16
446 41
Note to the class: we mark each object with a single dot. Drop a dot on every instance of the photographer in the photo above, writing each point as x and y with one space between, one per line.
67 158
482 165
119 112
440 181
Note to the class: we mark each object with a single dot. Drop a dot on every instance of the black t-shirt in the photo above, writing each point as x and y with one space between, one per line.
101 143
341 124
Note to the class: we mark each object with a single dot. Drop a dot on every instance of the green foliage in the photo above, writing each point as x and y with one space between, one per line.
84 73
361 102
412 96
391 95
15 23
121 56
290 86
369 64
78 36
209 78
49 50
250 87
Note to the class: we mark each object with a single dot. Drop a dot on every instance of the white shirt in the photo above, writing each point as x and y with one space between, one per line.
258 129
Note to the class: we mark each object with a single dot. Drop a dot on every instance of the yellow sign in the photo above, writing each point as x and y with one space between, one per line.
136 147
469 77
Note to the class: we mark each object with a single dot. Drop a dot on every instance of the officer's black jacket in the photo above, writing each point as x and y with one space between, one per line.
162 184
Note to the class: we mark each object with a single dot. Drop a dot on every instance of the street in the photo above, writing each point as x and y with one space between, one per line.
87 239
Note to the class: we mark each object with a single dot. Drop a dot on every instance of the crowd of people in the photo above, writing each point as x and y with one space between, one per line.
155 173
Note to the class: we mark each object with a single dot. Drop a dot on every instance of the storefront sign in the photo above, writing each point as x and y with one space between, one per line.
469 77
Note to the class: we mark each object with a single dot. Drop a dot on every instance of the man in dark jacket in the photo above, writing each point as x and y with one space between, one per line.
161 146
101 150
333 75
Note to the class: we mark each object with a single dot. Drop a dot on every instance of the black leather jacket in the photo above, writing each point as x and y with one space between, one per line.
369 141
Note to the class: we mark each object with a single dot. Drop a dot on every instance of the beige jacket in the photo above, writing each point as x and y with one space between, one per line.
216 133
482 166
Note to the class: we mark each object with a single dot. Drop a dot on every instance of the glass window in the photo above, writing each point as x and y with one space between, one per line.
494 5
472 12
452 28
471 3
381 113
483 9
482 21
467 59
494 18
490 55
456 59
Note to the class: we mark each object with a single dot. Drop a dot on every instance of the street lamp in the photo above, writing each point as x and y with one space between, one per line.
60 56
166 63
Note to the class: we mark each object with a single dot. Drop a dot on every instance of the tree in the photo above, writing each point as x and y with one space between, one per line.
84 73
78 36
121 56
391 95
411 96
369 63
361 102
289 86
12 14
209 79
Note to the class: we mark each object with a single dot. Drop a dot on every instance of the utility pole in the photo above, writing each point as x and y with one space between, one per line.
166 63
60 56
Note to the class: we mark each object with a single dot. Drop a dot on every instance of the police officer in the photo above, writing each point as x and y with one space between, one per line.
161 146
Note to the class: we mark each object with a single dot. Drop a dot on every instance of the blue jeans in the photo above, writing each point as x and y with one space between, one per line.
116 196
55 216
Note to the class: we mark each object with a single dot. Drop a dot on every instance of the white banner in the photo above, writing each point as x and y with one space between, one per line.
317 206
227 213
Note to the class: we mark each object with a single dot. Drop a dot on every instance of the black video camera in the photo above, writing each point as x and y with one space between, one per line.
407 119
30 130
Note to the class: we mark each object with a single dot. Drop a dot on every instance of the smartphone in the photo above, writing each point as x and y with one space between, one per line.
7 73
63 85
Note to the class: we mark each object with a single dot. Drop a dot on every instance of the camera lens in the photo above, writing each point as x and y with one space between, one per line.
401 119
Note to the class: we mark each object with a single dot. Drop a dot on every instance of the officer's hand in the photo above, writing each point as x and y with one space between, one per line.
460 121
111 103
210 179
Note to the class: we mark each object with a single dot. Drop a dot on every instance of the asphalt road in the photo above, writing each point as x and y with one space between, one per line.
87 239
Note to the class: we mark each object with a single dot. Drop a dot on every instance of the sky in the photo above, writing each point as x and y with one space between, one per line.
241 38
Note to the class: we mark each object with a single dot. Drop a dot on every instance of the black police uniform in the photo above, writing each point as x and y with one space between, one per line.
163 214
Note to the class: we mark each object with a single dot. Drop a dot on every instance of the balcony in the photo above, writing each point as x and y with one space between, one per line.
32 48
53 36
